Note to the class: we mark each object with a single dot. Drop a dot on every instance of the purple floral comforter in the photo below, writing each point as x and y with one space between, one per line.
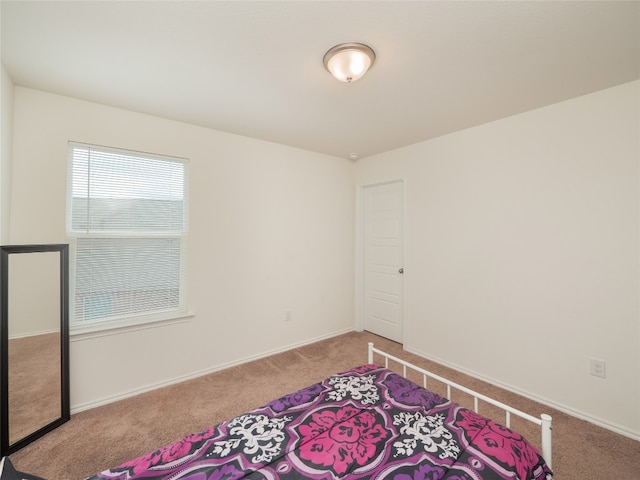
364 423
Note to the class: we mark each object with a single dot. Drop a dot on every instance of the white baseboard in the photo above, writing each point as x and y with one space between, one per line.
34 334
545 401
148 388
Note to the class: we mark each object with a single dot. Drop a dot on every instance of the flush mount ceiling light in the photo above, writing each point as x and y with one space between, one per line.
349 61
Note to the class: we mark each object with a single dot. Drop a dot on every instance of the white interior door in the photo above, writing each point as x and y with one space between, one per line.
383 269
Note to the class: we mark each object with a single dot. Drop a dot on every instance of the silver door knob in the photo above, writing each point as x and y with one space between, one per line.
401 270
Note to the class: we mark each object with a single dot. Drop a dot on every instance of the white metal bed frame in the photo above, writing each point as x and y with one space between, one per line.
544 421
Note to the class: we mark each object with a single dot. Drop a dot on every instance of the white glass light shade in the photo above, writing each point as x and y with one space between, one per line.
349 61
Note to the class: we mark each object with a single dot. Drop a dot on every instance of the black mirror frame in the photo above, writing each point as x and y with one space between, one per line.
65 413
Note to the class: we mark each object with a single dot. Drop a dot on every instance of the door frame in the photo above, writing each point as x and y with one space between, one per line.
359 251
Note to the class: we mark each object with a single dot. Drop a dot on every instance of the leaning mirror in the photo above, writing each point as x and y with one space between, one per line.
34 336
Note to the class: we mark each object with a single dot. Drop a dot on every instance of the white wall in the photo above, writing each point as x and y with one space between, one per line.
271 229
523 247
34 276
6 136
523 251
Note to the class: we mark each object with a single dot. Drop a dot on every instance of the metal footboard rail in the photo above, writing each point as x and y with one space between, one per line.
544 421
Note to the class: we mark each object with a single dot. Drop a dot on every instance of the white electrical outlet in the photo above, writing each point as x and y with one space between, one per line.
597 368
287 315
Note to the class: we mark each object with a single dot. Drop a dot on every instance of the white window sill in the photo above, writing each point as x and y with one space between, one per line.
116 327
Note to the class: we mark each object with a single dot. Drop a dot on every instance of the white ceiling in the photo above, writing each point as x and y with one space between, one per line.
255 68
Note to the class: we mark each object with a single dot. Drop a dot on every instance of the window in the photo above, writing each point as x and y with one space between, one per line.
127 219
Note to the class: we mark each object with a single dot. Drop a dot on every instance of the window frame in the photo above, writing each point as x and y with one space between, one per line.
133 320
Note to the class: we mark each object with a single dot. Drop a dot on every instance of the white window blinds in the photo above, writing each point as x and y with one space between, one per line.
127 216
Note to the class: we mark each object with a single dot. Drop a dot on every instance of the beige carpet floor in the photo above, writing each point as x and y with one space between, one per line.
104 437
34 383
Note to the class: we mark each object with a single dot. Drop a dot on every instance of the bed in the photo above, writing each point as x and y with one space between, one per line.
367 422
